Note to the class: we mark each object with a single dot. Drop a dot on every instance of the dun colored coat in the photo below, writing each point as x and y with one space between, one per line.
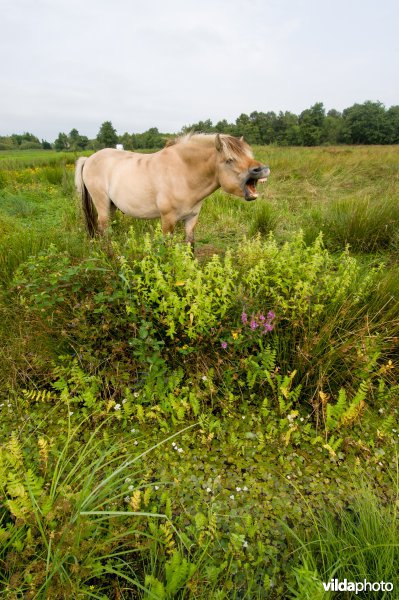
170 184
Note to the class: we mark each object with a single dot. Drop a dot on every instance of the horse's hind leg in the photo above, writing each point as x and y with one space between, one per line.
105 208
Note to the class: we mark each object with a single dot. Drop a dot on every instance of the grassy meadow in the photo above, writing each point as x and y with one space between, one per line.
223 425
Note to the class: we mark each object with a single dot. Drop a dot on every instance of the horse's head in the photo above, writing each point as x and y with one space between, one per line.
238 171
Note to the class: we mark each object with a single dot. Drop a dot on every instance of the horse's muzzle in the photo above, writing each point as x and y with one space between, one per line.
254 176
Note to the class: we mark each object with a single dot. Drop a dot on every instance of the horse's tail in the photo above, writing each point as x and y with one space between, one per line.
87 202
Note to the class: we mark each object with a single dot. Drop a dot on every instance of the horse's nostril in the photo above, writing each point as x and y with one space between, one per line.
259 170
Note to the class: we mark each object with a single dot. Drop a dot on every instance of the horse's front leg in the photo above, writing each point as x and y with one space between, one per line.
168 222
189 226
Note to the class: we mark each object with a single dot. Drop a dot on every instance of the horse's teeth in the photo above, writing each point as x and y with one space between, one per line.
262 180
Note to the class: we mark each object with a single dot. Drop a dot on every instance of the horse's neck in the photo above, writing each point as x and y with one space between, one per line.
200 159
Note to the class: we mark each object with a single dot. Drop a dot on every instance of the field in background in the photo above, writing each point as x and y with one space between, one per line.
277 344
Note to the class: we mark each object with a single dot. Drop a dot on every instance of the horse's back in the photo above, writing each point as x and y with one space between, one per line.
127 179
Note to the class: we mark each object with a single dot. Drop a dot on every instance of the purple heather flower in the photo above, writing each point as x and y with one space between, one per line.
262 318
244 318
271 315
254 324
224 345
269 327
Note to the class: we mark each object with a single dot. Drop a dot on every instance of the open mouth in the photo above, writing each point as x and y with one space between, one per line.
250 192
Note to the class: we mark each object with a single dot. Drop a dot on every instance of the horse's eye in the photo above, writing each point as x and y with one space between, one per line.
229 161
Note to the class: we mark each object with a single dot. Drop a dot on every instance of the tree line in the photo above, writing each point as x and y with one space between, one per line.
367 123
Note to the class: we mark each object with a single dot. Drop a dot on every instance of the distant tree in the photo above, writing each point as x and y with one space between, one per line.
248 128
311 124
366 123
46 145
62 142
149 139
19 139
265 124
392 125
332 130
154 139
107 136
287 130
76 141
30 146
6 143
224 127
127 141
200 127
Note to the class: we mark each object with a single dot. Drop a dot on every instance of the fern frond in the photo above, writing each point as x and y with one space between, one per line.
167 535
177 571
356 406
14 455
156 587
147 496
34 483
135 501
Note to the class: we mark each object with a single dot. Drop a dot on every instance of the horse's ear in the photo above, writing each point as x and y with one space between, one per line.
218 143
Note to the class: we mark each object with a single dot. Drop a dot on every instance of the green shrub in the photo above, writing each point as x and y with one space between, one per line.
152 304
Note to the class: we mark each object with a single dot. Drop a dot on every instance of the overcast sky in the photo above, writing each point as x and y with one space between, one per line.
169 63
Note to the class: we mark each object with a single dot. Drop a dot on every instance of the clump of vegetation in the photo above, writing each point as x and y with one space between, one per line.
359 544
175 425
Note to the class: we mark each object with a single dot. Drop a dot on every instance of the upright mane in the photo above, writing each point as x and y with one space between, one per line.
232 147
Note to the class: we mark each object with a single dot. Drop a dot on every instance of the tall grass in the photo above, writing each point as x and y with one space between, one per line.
360 543
68 509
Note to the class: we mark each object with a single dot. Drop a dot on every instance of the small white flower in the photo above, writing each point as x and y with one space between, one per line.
133 430
381 410
245 489
70 413
394 430
117 407
245 544
156 487
232 497
136 394
381 464
243 417
174 444
288 477
204 378
209 490
180 450
238 489
124 401
135 443
127 498
130 488
128 480
302 419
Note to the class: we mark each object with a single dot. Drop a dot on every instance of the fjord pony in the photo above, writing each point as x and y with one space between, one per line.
170 184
